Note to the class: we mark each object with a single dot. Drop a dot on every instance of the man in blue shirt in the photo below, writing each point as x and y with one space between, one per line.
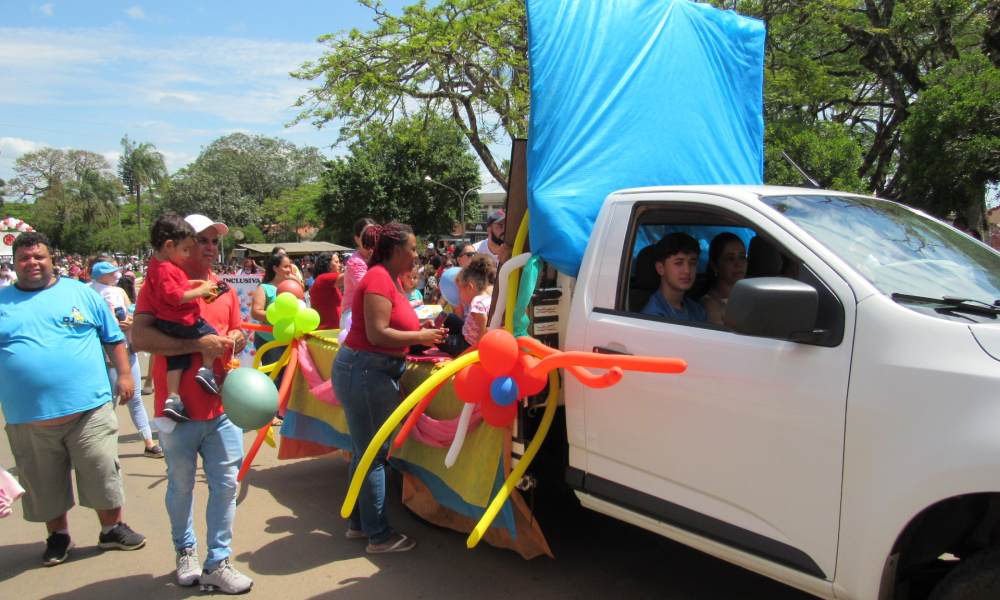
676 257
60 412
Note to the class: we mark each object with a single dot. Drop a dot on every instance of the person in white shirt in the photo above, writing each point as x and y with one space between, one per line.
495 225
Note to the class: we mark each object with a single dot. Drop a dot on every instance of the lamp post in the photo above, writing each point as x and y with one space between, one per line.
222 244
461 195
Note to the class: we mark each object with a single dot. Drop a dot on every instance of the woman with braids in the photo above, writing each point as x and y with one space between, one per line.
367 369
354 271
326 292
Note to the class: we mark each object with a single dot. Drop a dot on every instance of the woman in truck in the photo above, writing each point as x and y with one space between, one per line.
727 264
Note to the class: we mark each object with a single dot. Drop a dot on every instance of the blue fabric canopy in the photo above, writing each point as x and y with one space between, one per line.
632 93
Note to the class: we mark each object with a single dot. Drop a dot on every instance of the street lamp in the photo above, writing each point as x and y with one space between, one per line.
461 195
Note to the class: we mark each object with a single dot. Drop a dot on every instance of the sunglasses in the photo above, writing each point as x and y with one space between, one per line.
467 254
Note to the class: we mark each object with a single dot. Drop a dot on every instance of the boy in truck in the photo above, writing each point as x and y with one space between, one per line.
676 257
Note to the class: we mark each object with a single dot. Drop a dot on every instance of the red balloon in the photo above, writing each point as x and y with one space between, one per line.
499 416
528 386
292 286
472 384
498 352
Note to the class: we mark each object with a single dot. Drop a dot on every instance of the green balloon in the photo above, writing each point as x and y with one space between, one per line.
284 330
272 314
286 305
307 320
250 398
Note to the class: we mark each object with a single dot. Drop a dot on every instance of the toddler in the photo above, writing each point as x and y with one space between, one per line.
172 298
475 286
409 283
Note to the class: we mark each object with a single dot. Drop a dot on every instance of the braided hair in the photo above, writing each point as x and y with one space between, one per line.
381 239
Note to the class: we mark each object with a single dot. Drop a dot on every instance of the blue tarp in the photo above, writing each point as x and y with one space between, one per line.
633 93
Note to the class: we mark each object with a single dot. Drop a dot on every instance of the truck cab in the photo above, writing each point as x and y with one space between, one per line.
840 432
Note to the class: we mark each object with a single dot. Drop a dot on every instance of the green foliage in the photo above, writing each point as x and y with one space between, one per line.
291 211
951 141
242 172
251 235
383 178
463 59
141 166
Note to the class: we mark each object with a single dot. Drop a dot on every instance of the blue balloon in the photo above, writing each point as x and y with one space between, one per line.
449 287
504 391
250 398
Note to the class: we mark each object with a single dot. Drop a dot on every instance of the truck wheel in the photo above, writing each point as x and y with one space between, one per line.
976 578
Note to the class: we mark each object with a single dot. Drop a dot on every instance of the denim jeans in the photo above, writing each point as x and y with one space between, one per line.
220 444
135 408
367 386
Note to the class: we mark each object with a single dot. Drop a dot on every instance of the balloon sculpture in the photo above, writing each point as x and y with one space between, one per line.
289 321
498 372
13 224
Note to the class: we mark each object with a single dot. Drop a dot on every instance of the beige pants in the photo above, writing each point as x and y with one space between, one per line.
45 455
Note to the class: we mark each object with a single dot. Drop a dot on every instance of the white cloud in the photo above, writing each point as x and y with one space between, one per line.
238 80
46 10
112 158
13 148
137 13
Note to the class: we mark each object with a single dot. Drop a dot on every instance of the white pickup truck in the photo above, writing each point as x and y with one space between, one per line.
842 435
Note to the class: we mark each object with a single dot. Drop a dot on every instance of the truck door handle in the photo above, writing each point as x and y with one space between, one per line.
607 350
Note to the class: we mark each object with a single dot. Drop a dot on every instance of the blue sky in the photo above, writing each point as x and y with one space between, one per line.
178 74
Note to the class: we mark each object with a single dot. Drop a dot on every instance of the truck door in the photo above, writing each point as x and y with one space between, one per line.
746 447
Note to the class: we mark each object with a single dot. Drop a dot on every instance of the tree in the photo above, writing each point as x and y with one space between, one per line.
98 194
293 210
951 141
463 59
853 69
139 166
383 178
241 172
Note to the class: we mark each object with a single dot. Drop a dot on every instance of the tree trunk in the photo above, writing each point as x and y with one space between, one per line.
975 212
138 205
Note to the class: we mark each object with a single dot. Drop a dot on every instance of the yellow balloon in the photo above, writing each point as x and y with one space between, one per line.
390 424
284 330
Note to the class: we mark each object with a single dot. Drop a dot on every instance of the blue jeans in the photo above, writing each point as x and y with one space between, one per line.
135 408
220 444
367 386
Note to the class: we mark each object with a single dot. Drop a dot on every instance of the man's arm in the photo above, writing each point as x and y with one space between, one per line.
147 338
124 387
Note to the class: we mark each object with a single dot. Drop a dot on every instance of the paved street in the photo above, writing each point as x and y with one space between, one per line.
289 538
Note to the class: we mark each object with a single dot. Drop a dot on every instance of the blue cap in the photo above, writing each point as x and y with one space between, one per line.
103 268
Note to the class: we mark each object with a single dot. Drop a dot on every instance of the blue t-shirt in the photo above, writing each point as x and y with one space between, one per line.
659 307
51 359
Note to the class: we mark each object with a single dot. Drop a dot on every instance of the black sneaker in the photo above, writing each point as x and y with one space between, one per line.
56 549
174 410
206 379
121 538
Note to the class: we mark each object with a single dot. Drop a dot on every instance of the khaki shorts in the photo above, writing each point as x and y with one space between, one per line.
45 455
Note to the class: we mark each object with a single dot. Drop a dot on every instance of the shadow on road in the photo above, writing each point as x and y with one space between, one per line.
153 588
20 558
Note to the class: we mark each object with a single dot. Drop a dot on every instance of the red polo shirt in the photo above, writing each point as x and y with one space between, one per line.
224 316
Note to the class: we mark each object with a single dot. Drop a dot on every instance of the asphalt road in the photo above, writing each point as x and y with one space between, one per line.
289 538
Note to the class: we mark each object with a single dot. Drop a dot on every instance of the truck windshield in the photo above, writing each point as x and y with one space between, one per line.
899 250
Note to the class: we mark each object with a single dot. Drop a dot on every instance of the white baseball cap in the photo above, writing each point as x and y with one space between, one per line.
201 223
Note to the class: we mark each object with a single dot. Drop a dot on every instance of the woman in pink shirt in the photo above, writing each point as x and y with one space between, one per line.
355 269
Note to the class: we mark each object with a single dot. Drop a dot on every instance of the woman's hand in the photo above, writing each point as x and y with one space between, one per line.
126 324
431 335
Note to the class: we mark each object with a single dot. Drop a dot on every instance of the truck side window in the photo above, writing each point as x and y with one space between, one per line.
641 281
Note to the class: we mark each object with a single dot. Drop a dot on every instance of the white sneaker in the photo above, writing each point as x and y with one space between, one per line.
188 568
225 578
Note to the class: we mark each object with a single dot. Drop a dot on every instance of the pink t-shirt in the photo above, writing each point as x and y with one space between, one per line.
354 271
470 329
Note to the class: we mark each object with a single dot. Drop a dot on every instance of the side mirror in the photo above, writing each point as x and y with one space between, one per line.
773 307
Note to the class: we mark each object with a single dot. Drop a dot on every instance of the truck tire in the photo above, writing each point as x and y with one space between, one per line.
976 578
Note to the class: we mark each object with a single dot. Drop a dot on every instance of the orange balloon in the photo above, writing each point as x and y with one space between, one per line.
499 416
527 385
292 286
472 384
498 352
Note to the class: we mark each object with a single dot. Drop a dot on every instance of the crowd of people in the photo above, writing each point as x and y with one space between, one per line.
92 316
